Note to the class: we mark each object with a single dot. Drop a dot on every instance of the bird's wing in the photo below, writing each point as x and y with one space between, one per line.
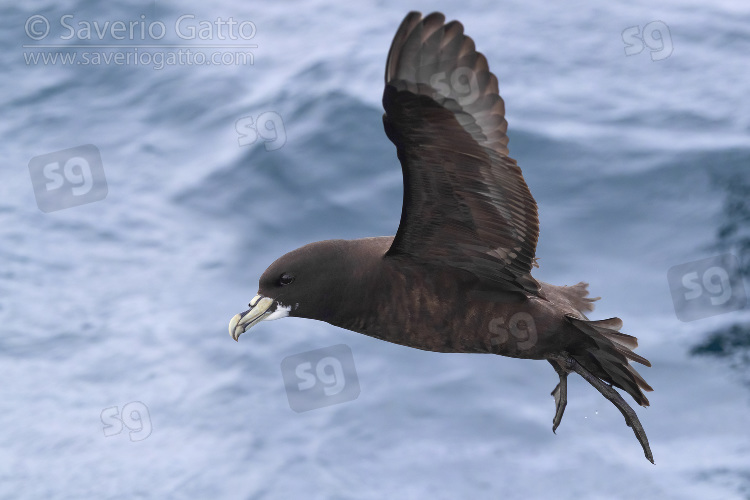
466 204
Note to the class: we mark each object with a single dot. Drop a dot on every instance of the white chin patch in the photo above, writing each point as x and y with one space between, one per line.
281 311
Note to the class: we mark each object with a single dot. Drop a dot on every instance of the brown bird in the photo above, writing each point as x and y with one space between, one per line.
456 277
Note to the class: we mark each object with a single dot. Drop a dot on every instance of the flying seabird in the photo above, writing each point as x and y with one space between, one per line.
456 277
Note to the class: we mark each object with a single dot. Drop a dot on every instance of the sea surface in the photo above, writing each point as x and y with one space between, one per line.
118 378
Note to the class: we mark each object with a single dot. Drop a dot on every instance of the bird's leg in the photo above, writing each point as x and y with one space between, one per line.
631 418
560 393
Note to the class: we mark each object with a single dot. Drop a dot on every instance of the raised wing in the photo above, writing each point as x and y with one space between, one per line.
466 204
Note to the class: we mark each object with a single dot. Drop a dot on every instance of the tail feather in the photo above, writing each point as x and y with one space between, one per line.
577 295
609 355
639 379
611 324
632 356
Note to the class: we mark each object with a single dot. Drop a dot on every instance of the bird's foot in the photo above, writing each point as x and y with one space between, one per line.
560 393
631 418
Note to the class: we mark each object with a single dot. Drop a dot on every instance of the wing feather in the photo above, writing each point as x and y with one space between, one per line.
466 203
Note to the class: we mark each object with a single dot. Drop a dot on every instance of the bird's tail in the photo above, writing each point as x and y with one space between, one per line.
608 356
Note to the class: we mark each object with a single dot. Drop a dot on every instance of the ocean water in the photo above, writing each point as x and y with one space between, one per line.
118 308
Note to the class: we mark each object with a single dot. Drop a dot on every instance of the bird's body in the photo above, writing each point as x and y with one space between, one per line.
389 309
456 277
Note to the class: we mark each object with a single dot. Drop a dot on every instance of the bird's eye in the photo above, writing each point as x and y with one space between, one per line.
285 279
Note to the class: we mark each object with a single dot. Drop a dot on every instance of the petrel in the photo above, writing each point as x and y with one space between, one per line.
456 277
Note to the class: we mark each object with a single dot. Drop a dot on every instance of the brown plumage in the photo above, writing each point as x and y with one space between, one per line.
456 277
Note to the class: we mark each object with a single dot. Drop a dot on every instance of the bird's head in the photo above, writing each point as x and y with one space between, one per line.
306 282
